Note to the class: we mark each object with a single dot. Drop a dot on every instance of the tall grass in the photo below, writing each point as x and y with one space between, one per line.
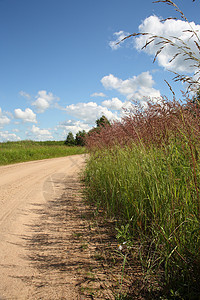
145 171
13 152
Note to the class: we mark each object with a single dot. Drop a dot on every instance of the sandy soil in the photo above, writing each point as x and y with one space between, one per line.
52 244
34 233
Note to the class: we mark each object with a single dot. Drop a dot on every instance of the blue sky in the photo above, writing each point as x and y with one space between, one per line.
60 68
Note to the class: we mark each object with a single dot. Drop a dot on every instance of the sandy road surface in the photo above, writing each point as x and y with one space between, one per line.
31 229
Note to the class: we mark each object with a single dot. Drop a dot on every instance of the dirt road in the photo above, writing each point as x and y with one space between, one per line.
35 229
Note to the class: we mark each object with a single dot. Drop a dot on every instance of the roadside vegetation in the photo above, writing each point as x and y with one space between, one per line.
14 152
144 172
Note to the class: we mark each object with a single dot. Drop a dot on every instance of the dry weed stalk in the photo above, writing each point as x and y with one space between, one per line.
182 48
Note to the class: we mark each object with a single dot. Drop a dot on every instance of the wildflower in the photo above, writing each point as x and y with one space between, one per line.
120 247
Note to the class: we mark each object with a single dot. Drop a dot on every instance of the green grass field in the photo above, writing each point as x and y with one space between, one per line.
14 152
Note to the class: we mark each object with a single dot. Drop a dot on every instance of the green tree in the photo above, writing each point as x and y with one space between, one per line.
80 138
102 121
70 141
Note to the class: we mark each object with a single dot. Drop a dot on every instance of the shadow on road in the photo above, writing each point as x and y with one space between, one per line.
63 244
70 249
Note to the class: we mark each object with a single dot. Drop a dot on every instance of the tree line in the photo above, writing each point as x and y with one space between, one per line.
80 137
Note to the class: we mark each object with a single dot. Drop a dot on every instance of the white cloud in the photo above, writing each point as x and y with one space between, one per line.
41 105
120 35
27 116
15 130
37 130
136 87
44 101
25 95
89 112
4 120
169 29
74 126
127 106
40 134
6 136
98 95
113 104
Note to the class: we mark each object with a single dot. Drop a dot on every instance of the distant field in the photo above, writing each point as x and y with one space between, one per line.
13 152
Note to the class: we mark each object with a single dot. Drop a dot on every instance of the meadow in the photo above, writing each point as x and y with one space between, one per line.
145 173
21 151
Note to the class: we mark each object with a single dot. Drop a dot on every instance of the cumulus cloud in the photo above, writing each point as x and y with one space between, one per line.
74 126
27 116
6 136
174 30
4 120
40 134
98 95
113 104
127 106
168 29
136 87
89 112
44 100
120 35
